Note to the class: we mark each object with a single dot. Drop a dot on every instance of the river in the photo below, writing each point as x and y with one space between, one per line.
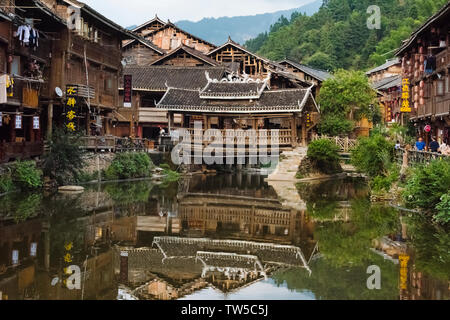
225 236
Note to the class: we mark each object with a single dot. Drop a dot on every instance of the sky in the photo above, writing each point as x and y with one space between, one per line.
136 12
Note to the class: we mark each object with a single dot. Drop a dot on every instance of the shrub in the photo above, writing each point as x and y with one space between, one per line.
65 157
427 184
443 208
324 155
373 155
380 183
129 165
6 183
26 175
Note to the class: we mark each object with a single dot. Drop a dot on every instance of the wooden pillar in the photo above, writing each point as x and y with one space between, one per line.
293 131
304 132
49 120
205 122
31 130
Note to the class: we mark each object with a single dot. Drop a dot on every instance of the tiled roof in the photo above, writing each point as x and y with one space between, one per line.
191 51
318 74
227 90
149 22
290 100
387 64
157 78
387 83
146 43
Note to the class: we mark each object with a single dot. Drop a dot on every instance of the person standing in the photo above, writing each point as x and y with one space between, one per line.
434 145
420 145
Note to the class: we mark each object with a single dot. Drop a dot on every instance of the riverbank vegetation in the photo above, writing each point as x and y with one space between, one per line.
322 158
422 187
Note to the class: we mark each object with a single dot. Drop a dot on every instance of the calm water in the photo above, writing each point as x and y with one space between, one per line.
217 237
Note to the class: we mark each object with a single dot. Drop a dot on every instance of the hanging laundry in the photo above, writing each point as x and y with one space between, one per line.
24 33
9 86
34 38
430 64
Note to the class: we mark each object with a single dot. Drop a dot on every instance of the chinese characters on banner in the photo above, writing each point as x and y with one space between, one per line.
308 120
18 121
406 108
389 113
403 271
71 106
127 90
36 123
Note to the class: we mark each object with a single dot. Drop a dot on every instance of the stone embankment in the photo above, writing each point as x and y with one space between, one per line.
283 179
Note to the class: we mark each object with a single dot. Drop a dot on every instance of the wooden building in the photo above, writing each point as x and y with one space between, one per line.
243 63
306 73
87 55
150 83
389 69
389 97
26 76
425 60
244 104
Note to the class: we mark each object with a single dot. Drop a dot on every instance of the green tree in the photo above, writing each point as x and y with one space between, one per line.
324 155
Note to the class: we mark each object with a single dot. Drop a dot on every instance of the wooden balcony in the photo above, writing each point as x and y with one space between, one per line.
242 137
25 92
10 151
41 53
95 52
443 59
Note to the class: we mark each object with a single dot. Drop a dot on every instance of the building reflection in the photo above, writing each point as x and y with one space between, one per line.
225 232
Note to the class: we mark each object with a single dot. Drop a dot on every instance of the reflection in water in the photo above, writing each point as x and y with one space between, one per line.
208 237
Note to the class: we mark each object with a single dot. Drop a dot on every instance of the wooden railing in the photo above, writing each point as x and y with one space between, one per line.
418 157
243 137
345 144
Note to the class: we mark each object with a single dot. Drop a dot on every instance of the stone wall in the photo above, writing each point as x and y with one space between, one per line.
105 160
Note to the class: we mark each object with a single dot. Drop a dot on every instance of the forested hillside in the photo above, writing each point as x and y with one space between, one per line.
337 36
242 28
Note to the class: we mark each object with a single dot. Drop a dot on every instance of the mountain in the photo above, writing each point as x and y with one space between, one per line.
242 28
337 36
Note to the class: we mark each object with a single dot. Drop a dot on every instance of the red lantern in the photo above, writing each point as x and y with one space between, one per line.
422 84
422 101
416 105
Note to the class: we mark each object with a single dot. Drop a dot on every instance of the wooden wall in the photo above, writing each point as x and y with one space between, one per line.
170 38
141 55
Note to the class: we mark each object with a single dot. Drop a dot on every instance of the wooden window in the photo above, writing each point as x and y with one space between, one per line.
440 87
108 84
15 65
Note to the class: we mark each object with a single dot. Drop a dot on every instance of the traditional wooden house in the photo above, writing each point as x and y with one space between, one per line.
87 57
389 69
186 57
243 62
149 84
169 37
244 104
26 63
389 98
306 73
425 60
